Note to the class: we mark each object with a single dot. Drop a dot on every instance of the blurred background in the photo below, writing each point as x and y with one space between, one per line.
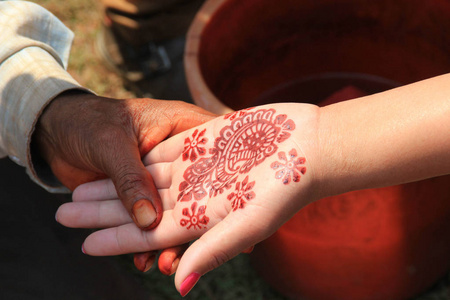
234 280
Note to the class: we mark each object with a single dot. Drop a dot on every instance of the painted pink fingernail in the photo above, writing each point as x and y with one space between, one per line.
82 248
189 283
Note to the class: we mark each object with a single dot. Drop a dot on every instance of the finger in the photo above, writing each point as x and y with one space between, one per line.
166 151
144 260
223 242
105 190
96 190
93 214
170 258
191 116
248 250
134 185
161 174
168 200
130 239
101 214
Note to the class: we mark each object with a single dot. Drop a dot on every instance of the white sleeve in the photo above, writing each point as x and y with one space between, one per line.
34 51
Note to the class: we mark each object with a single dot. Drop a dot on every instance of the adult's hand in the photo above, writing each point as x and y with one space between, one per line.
230 183
84 137
221 181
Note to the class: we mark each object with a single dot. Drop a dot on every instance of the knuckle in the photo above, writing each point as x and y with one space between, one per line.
129 183
217 259
120 241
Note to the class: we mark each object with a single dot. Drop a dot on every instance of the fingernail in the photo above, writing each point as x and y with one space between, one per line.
175 264
149 262
144 261
249 250
189 283
82 248
144 213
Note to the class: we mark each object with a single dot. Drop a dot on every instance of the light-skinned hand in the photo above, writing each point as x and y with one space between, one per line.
230 183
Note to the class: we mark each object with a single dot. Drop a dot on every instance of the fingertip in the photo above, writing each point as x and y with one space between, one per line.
165 268
175 264
215 247
56 216
76 193
144 214
140 196
166 151
188 283
64 215
249 250
168 261
144 261
96 190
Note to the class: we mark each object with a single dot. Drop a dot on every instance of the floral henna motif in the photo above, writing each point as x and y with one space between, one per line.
192 147
196 219
289 168
242 145
242 194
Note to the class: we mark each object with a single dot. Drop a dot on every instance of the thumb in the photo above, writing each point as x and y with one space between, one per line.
220 244
134 185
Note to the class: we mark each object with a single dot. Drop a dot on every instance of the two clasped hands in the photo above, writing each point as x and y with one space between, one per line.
156 175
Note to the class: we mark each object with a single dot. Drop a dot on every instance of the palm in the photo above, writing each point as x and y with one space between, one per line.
230 182
243 169
222 168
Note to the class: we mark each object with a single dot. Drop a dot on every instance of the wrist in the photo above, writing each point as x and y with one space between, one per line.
57 112
385 139
304 148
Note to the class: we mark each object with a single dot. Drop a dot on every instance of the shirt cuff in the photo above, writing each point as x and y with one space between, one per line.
30 80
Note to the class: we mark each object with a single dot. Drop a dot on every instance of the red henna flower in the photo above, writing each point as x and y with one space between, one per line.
192 147
195 218
291 168
241 194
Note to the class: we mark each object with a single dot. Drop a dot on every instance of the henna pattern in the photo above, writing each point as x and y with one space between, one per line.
191 148
242 194
235 114
196 219
289 168
242 145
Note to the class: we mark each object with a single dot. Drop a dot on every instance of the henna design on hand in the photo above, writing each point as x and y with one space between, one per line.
191 148
196 219
242 194
246 143
289 168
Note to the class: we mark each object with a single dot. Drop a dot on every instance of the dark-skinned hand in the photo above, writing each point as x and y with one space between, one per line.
83 137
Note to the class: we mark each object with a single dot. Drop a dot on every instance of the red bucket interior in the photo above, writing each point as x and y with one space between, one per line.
259 51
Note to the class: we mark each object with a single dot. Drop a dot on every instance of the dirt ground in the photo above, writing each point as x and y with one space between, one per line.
84 19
